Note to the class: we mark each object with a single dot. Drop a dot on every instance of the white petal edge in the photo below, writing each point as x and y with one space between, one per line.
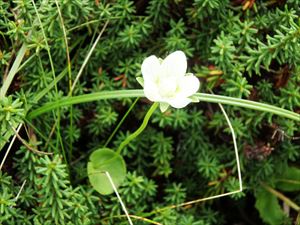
188 85
174 64
150 68
179 102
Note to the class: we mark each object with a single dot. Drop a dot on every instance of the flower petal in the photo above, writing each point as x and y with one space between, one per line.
187 86
150 68
174 64
151 91
179 102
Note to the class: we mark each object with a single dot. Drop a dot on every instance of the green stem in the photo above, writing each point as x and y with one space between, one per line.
279 195
140 129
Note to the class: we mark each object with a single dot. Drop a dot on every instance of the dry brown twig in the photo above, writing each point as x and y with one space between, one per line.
28 145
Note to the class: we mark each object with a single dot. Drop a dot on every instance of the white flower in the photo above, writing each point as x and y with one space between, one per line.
166 81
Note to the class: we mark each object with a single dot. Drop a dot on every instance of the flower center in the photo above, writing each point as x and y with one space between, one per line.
167 87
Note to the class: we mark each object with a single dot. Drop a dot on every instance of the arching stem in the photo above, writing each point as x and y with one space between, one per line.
140 129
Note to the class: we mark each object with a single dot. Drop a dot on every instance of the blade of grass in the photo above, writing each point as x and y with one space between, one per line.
25 63
9 147
93 21
66 44
65 101
15 67
46 43
236 151
88 57
70 143
192 202
119 198
19 192
176 206
13 71
57 115
247 104
121 122
42 93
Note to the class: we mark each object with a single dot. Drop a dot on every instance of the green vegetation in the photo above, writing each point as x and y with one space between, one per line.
68 88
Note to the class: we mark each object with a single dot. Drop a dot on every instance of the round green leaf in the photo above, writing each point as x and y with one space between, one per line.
105 160
289 180
268 207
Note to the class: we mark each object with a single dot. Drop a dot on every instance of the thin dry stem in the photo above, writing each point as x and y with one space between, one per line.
9 147
88 57
118 196
27 145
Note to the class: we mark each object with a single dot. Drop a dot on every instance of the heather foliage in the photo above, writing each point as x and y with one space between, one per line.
67 68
